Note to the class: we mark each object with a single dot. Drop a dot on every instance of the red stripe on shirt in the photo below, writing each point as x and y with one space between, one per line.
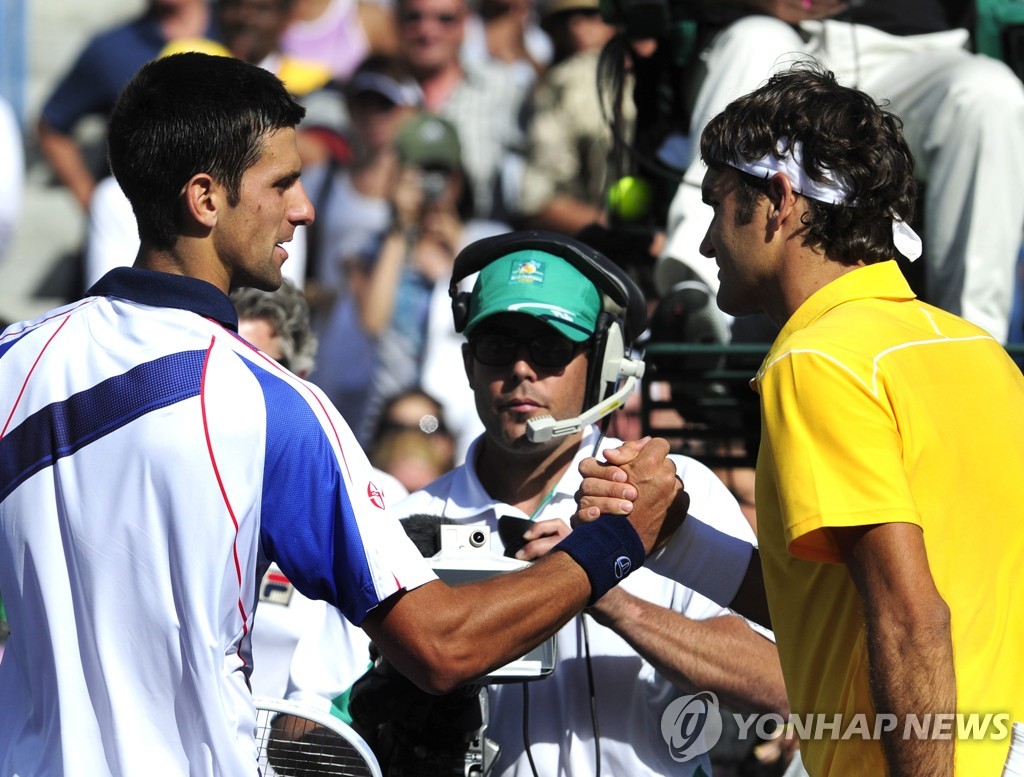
28 376
42 321
224 496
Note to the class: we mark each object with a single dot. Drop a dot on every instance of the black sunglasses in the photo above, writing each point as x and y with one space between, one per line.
414 17
551 352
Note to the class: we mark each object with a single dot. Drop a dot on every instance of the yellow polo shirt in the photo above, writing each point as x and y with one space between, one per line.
878 408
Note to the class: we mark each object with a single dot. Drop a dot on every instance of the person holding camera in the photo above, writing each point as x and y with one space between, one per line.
544 356
395 295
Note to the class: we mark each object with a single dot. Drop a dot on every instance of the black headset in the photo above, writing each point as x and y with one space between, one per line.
622 319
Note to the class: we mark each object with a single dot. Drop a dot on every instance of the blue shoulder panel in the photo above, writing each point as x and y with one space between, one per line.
307 523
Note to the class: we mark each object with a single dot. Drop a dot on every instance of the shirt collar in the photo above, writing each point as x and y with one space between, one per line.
164 290
882 280
469 499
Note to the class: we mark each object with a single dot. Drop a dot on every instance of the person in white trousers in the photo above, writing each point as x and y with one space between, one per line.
963 117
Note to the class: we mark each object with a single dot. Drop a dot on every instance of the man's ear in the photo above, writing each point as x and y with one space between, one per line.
782 198
202 199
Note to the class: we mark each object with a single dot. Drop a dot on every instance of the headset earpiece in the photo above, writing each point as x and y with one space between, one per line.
460 308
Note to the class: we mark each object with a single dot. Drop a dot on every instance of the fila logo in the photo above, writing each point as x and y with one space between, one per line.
376 495
622 567
276 588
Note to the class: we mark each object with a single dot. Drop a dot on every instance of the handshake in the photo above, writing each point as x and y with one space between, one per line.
639 482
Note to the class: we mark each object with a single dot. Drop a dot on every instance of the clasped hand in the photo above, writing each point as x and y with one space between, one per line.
638 480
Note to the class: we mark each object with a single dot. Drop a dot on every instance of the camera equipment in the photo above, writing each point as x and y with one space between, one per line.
466 556
511 530
416 734
433 183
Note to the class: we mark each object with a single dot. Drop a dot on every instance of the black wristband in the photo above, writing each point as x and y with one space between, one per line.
608 549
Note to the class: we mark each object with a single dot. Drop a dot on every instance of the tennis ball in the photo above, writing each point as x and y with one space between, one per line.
629 198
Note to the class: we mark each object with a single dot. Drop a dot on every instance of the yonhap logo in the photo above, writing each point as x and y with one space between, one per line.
691 725
622 567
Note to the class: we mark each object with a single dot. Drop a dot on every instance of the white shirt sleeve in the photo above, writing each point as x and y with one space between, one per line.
12 176
330 655
113 236
710 553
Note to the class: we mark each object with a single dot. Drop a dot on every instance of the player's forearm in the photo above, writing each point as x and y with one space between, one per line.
722 654
723 568
454 634
909 640
911 659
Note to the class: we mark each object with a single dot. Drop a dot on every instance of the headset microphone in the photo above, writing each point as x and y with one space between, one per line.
615 365
543 428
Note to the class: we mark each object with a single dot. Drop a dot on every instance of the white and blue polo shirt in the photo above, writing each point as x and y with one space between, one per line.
152 465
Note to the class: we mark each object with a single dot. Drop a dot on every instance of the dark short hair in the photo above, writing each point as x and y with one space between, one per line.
186 114
843 133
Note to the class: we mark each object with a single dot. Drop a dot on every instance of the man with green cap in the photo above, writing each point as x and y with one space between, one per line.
530 327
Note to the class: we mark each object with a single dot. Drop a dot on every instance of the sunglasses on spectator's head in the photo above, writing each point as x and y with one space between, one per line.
496 349
447 18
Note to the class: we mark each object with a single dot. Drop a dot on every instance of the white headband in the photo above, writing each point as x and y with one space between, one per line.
831 191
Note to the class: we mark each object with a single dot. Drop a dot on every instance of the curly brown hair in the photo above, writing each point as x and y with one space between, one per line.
845 136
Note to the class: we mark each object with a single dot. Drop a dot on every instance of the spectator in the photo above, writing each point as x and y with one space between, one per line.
278 324
892 431
340 33
565 181
530 324
964 120
353 204
252 31
483 101
409 457
507 31
397 293
411 441
12 175
91 86
142 596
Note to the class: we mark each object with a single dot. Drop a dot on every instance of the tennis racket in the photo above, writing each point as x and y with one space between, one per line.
295 740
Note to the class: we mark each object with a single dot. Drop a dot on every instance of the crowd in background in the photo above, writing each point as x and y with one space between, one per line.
432 123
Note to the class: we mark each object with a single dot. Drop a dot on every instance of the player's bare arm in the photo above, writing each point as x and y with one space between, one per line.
441 636
910 647
614 487
722 654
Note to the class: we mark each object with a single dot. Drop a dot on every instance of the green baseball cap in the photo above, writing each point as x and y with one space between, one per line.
538 284
425 140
